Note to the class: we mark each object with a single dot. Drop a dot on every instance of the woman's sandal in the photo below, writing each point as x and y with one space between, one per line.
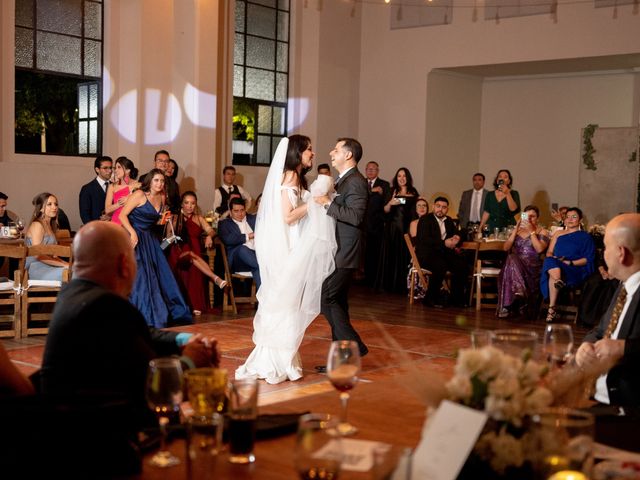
551 314
220 283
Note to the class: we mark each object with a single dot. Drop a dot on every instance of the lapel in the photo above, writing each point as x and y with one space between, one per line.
340 182
630 316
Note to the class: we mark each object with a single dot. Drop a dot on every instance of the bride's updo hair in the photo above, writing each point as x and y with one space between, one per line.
297 145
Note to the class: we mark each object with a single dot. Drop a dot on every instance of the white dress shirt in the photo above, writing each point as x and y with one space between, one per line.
246 229
476 201
103 183
217 198
443 230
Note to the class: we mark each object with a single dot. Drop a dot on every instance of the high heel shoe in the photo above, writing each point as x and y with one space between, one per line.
220 283
551 314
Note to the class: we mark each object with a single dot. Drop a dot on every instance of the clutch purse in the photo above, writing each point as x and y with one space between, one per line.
171 238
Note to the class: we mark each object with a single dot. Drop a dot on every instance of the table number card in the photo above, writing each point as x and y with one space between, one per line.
447 439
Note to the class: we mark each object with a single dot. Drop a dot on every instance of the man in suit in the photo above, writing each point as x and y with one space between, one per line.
348 208
98 342
93 194
379 193
227 191
614 345
236 232
172 192
472 203
437 249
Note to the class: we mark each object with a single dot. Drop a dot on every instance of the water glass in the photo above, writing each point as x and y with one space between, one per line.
318 447
243 415
206 390
558 344
204 442
480 338
515 342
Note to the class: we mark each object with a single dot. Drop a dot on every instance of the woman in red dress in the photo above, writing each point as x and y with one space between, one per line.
185 257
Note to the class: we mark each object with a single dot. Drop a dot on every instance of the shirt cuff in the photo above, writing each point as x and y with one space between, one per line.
183 338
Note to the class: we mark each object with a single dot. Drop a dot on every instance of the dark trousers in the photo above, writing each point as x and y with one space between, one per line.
439 265
335 307
245 259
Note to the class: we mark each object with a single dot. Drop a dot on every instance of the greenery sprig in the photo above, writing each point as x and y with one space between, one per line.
588 150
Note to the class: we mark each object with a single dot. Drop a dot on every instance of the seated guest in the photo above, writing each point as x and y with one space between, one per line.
123 185
421 209
5 215
42 230
98 342
559 216
502 204
12 382
92 194
436 247
185 257
569 260
228 190
614 345
520 275
324 169
236 232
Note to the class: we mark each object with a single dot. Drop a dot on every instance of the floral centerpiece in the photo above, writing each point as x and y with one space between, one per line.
509 389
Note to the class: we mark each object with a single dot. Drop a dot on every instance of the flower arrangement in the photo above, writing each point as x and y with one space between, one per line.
508 389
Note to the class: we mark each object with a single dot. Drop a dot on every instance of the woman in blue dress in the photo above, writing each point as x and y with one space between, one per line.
42 231
570 260
155 291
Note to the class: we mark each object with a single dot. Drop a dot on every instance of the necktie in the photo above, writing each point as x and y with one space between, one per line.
474 207
106 184
617 310
370 184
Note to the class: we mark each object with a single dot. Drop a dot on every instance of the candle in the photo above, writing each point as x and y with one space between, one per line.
568 475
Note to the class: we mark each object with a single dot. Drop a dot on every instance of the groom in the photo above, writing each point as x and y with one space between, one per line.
348 208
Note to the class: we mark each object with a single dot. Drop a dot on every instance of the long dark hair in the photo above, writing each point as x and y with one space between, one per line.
414 214
39 202
181 226
176 169
127 164
495 180
297 146
146 183
410 189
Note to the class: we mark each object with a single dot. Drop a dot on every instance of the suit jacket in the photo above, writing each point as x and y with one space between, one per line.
464 211
98 342
428 239
230 234
374 219
623 380
91 201
348 208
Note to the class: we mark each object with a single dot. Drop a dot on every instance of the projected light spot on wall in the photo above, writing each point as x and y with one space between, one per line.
199 106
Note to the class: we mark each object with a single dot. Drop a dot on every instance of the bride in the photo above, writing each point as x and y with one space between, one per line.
295 245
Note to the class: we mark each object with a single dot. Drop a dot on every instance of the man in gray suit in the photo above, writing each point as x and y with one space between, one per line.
472 203
348 208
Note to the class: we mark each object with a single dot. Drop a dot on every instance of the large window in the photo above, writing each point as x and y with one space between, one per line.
260 79
58 76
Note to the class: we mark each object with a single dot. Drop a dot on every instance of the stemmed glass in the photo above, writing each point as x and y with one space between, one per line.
164 395
20 226
343 367
558 344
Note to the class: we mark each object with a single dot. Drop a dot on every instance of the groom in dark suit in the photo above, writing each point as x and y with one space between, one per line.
348 208
93 194
614 345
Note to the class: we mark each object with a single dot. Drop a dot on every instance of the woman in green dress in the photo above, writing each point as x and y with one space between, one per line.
502 204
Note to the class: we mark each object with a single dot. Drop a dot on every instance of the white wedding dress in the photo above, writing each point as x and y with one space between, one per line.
294 260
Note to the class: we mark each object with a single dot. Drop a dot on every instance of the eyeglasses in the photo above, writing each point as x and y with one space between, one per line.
573 217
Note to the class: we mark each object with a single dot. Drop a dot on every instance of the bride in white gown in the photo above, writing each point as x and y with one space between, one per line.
295 245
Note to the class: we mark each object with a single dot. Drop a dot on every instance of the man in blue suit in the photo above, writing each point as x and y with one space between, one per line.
236 232
93 194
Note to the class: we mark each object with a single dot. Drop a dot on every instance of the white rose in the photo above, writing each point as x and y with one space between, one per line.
459 387
538 399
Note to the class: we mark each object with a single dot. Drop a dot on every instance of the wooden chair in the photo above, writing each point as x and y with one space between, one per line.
11 292
231 300
484 269
416 271
42 291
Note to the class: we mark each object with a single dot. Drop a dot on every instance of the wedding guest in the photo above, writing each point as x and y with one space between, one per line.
92 195
569 261
42 230
392 271
422 208
185 257
161 162
379 193
501 205
228 190
520 275
472 203
172 170
324 169
119 190
5 215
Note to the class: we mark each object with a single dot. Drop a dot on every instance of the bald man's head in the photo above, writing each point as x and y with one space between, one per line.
102 253
622 245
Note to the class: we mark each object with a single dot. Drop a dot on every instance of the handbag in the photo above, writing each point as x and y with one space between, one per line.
171 238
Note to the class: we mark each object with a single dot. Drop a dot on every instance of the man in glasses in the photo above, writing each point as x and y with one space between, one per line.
92 195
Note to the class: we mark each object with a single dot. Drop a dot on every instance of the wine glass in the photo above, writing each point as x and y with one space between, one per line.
318 447
343 367
20 226
558 344
164 395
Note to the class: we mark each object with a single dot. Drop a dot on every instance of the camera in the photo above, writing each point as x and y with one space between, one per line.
402 200
500 182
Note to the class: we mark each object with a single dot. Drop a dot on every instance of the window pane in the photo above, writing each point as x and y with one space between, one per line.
93 100
261 53
24 13
58 53
62 16
281 90
283 4
264 119
92 58
278 120
238 50
261 21
93 20
274 145
240 6
24 47
93 136
267 3
283 26
238 81
283 57
264 150
83 101
260 84
83 137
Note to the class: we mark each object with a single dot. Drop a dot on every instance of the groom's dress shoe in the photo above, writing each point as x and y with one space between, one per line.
321 368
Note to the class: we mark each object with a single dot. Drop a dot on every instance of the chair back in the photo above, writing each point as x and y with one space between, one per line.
11 291
230 299
415 264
